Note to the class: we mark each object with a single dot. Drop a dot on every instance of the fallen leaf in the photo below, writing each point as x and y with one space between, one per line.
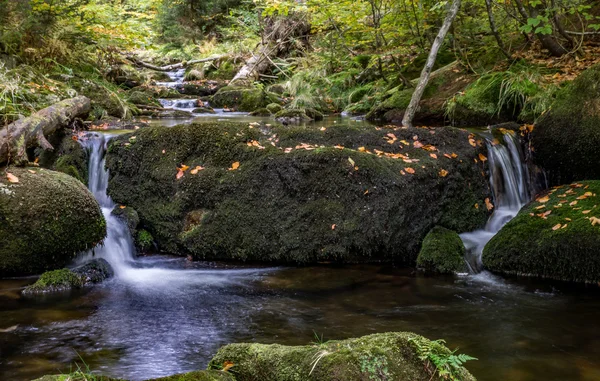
418 144
573 203
489 204
472 142
227 365
482 157
333 227
12 178
595 221
32 172
323 129
476 206
556 227
196 170
163 151
543 199
122 207
179 174
586 211
235 166
361 149
409 170
351 161
443 173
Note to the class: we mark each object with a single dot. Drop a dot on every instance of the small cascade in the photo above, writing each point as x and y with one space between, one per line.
511 188
176 76
179 104
118 248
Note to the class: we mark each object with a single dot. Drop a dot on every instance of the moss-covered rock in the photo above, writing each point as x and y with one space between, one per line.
67 157
77 376
197 89
242 98
291 116
261 112
128 215
442 86
442 252
274 108
203 110
200 375
557 236
276 206
566 138
93 272
139 97
314 114
45 220
386 356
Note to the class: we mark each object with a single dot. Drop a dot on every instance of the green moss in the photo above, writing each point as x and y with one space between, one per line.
242 98
56 280
77 376
274 108
45 220
566 139
203 110
293 115
67 157
442 252
276 206
553 239
201 375
129 216
144 240
386 356
140 97
226 70
261 112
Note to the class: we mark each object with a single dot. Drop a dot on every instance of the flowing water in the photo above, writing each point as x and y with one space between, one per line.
162 315
511 188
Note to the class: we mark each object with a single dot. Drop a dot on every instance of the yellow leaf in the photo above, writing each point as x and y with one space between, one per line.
12 178
476 206
543 199
351 161
361 149
482 157
235 166
443 173
196 170
227 365
472 142
434 156
184 168
122 207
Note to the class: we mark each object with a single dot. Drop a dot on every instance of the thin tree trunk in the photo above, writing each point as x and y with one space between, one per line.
174 66
548 41
490 11
30 132
411 110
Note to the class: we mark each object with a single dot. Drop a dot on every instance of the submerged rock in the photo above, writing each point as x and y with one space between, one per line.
557 236
566 139
340 194
93 272
399 356
442 252
292 116
46 218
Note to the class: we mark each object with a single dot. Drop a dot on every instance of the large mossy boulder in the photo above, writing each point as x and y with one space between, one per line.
442 252
242 98
566 139
46 218
298 194
556 236
398 356
68 156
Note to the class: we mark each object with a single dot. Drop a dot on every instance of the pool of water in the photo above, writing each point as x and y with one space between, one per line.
167 315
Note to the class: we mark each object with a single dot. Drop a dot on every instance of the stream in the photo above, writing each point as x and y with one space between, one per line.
163 315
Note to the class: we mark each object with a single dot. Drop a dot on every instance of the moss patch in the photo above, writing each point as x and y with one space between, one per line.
242 98
45 220
276 205
566 139
386 356
67 157
201 375
555 237
442 252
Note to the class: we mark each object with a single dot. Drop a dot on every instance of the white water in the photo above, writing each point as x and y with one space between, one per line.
509 180
176 76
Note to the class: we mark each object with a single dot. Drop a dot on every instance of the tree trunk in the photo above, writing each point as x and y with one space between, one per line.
255 66
490 11
411 110
31 132
174 66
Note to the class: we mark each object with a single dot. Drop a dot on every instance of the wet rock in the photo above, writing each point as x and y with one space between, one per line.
442 252
204 110
175 114
385 356
274 108
275 207
292 116
567 137
129 216
202 89
557 237
56 281
45 220
67 157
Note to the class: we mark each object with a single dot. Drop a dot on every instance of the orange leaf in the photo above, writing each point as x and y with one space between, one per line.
333 227
434 156
12 178
543 199
489 204
196 170
227 365
443 173
184 168
556 227
179 174
235 166
418 144
409 170
482 157
472 142
122 207
361 149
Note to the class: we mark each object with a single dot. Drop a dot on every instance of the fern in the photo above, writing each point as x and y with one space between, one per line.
447 364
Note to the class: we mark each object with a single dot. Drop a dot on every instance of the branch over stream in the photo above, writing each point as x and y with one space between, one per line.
174 66
32 131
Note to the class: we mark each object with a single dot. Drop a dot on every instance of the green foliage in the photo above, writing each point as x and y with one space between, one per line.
144 240
447 364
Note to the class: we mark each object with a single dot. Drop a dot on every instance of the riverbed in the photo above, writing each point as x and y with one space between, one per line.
169 315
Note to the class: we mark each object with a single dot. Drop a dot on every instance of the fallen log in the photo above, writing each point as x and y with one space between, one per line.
173 66
32 131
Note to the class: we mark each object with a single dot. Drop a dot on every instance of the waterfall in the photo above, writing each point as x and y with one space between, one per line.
511 189
118 248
